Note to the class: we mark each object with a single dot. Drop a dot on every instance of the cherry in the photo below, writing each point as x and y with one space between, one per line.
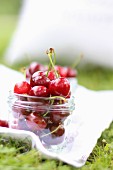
59 87
58 116
39 112
24 111
39 78
51 75
57 130
36 122
35 66
4 123
62 71
19 111
22 87
71 72
54 135
40 91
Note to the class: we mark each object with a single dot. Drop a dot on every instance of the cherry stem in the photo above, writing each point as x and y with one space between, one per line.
58 97
46 113
53 66
48 110
76 63
49 68
50 132
55 97
50 55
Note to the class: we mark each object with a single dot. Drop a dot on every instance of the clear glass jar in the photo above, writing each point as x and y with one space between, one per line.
46 117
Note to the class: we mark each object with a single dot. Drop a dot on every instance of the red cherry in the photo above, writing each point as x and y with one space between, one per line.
71 72
35 122
39 78
59 130
40 91
35 66
24 111
38 112
4 123
62 71
58 116
51 75
22 87
59 87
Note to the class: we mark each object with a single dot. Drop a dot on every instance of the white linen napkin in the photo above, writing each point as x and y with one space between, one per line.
8 78
92 115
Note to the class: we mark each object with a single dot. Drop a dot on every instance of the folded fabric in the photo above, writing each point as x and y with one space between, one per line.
84 26
92 115
8 78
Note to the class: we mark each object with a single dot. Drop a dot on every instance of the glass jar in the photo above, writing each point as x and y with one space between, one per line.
46 117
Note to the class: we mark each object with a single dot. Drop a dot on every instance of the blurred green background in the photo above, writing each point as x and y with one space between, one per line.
9 10
10 7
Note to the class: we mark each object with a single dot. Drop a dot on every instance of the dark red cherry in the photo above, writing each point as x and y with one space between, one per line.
57 130
22 87
40 91
35 66
71 72
24 111
4 123
58 116
59 87
62 71
38 112
36 122
39 78
51 75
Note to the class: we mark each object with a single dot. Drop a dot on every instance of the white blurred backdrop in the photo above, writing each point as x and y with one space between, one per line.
71 27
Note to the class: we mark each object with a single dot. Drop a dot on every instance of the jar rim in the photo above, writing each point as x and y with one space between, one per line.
14 99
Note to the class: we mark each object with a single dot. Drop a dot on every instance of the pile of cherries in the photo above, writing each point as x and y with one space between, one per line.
63 71
45 88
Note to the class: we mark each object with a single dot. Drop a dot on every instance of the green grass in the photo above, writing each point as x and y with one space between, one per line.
7 27
96 78
10 7
15 155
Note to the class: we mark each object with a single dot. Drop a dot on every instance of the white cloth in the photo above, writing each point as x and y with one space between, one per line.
71 27
8 78
92 115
